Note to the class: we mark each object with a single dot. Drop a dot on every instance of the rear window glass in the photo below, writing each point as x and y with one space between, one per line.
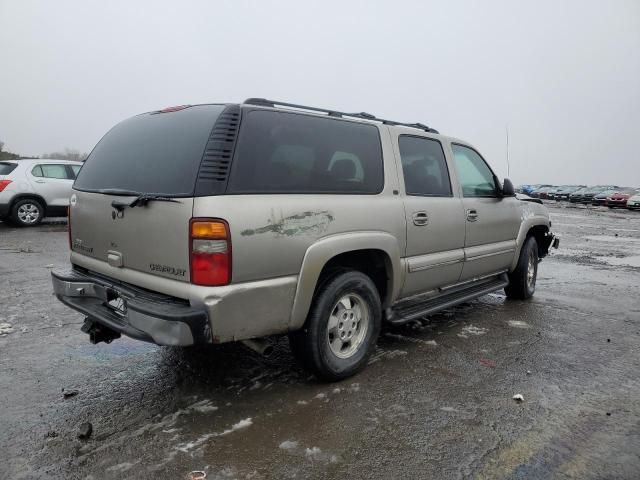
151 153
282 152
6 168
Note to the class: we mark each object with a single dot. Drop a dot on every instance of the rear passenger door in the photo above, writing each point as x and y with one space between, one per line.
53 182
434 216
492 222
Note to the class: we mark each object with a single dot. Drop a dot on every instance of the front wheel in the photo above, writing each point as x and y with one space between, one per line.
342 327
522 281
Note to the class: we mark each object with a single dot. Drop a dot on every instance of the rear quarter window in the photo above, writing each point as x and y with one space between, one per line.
281 152
6 168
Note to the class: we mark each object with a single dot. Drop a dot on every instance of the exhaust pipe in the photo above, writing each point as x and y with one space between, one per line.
259 345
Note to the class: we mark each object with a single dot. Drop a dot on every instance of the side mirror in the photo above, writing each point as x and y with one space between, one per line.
507 188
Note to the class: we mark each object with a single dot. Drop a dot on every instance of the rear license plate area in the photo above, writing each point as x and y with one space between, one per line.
116 303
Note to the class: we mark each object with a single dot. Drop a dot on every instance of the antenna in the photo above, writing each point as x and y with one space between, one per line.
508 164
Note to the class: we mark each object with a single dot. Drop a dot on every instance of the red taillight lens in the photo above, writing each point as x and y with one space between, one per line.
4 184
210 244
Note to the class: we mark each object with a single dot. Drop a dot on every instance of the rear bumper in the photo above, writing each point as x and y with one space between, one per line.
145 316
4 210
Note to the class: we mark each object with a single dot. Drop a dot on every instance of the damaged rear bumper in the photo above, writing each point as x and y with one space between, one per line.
132 311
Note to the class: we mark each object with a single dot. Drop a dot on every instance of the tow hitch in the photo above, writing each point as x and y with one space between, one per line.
98 333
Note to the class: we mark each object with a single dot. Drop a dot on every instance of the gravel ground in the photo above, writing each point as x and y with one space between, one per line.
435 402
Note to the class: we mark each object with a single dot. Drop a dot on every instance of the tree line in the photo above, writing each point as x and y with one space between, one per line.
67 154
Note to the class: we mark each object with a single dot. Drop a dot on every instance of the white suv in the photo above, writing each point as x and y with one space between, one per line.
35 188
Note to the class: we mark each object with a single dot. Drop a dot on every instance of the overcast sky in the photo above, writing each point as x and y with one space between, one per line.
564 76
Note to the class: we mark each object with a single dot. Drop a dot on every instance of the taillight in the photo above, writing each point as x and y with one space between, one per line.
4 184
210 244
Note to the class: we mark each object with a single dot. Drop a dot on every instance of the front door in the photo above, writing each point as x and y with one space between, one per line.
434 216
492 222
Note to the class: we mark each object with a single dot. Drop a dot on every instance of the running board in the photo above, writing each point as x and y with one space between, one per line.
407 311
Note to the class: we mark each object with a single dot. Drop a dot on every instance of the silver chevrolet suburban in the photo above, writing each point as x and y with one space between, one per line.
203 224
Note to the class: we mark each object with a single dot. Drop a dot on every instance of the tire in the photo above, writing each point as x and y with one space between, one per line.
27 212
522 281
337 350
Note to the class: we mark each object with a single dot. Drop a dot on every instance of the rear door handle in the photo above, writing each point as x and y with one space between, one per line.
420 219
472 215
40 181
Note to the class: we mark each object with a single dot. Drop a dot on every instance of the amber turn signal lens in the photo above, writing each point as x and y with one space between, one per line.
210 230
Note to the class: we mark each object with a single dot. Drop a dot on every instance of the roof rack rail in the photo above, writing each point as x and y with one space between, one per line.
263 102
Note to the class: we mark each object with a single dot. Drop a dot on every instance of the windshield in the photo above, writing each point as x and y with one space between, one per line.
154 153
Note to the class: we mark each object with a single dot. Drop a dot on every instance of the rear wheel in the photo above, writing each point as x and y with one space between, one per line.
342 327
522 281
27 212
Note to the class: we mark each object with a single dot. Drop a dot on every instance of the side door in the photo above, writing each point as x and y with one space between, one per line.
434 216
492 221
53 182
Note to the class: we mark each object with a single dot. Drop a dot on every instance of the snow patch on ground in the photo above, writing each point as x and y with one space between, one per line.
186 447
247 422
289 445
204 406
448 409
518 324
313 452
5 329
471 330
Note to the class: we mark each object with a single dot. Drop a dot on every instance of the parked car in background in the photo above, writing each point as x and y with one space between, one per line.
621 197
35 188
576 197
634 201
543 193
530 189
600 199
587 197
553 194
563 193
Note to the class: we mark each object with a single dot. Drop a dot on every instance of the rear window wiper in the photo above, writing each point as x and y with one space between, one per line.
141 201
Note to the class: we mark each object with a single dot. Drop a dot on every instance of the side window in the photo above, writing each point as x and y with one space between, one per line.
474 174
280 152
424 167
75 169
36 171
54 171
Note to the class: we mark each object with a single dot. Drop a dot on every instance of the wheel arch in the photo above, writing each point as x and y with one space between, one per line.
26 196
540 231
376 254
